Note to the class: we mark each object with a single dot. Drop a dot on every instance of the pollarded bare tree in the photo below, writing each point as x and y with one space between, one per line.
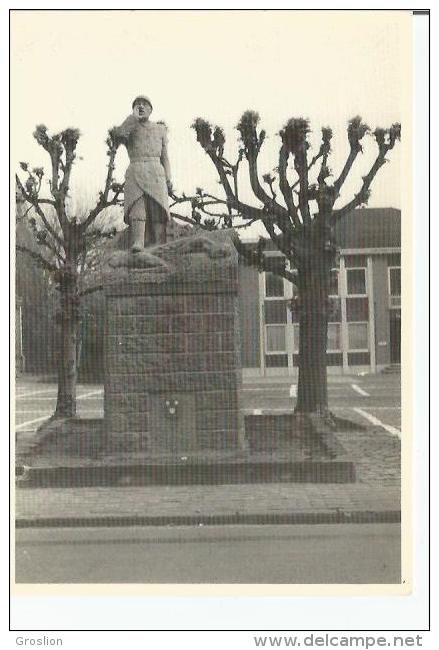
66 242
296 208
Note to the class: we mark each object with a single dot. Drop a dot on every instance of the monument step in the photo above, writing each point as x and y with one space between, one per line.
186 473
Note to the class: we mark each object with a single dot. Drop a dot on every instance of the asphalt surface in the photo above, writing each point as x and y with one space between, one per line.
319 554
373 399
254 554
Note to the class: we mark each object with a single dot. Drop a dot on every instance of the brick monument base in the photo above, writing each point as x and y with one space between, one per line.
173 364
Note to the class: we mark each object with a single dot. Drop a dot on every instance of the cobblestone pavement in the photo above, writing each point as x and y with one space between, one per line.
204 500
377 456
375 453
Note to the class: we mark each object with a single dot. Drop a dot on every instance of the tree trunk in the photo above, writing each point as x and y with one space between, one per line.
312 392
68 335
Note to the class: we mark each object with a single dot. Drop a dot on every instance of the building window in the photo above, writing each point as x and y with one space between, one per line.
394 287
358 336
296 329
334 310
395 281
276 360
394 259
274 285
333 282
275 312
358 358
357 309
334 338
356 282
275 338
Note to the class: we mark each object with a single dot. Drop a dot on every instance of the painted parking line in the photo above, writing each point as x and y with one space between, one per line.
94 392
378 407
285 389
270 411
37 392
267 388
49 397
45 417
359 390
38 398
84 410
392 430
29 422
27 411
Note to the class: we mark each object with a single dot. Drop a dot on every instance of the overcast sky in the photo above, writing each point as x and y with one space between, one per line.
83 69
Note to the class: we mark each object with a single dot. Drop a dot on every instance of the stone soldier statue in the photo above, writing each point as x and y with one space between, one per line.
148 177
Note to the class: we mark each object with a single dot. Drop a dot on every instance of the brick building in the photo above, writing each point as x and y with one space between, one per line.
364 333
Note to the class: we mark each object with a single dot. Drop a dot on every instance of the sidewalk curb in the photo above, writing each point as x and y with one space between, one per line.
335 516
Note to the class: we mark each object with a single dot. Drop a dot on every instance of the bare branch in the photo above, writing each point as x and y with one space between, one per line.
69 139
386 140
284 186
42 240
253 255
48 266
252 143
35 202
101 205
247 127
357 129
54 148
294 138
204 136
112 143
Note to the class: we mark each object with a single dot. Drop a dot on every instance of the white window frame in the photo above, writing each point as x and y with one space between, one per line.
295 339
296 326
284 299
339 349
366 287
389 285
358 322
336 322
270 352
288 325
336 295
284 295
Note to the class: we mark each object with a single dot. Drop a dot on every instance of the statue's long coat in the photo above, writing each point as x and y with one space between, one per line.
149 169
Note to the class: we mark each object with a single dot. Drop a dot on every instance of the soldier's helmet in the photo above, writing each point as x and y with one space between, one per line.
141 98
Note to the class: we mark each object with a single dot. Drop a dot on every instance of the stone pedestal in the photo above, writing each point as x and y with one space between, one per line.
173 366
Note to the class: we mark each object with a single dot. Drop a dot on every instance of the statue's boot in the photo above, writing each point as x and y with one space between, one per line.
161 232
137 236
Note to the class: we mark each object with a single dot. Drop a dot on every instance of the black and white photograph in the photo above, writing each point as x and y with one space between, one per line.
212 239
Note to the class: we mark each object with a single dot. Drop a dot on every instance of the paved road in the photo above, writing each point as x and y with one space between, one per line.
372 398
313 554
